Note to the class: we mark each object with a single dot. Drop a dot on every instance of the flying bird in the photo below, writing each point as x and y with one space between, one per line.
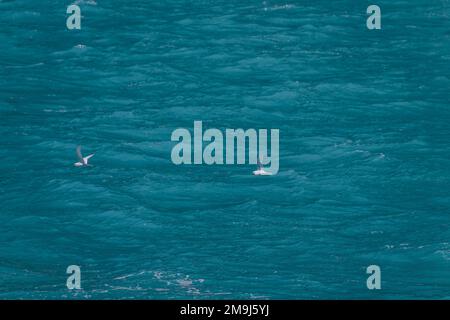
261 171
83 160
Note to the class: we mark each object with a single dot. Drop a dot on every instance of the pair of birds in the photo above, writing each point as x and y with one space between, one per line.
84 161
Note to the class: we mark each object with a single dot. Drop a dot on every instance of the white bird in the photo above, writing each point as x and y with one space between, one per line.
83 161
261 171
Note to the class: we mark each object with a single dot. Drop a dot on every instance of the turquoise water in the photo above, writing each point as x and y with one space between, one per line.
364 154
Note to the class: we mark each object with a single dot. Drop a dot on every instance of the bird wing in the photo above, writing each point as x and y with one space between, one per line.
85 159
258 163
79 155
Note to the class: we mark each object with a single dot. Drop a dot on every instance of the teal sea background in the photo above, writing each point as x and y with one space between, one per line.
364 124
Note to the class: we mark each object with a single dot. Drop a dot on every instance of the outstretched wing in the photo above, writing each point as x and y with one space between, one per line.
79 155
86 159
